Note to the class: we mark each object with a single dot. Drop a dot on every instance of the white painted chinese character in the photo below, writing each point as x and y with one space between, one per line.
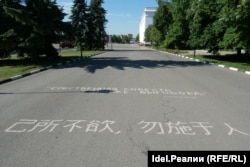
125 90
151 126
180 128
74 124
107 127
14 128
231 130
46 124
204 126
93 126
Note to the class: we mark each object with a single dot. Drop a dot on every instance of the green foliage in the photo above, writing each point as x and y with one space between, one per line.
116 39
79 23
236 15
153 35
40 23
121 38
178 33
203 24
162 20
147 34
162 2
205 29
8 29
96 25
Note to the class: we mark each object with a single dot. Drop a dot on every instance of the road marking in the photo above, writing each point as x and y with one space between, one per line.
233 69
247 72
222 66
35 71
190 128
142 91
16 77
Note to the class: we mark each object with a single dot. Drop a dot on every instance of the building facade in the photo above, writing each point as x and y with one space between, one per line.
146 20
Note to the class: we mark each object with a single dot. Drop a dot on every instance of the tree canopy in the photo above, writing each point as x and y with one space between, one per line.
31 27
79 21
204 24
97 23
40 23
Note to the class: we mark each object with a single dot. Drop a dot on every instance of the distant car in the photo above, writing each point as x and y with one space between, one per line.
69 44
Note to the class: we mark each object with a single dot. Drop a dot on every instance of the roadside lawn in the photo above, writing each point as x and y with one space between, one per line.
241 62
17 66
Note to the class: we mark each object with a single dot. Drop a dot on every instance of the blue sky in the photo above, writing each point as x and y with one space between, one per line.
123 15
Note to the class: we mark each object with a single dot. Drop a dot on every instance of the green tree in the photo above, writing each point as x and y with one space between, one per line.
205 29
236 15
162 2
79 23
97 21
162 19
42 24
155 35
116 39
126 39
178 33
147 34
9 28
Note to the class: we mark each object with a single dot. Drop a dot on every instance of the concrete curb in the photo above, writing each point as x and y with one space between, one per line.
42 69
206 62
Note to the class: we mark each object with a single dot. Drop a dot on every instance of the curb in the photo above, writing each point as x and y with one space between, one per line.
43 69
206 62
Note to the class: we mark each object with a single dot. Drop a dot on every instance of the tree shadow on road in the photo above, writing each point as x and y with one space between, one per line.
93 64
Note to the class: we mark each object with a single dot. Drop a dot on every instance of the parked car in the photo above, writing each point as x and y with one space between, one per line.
69 44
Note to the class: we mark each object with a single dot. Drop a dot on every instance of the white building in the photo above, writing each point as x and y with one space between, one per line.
146 20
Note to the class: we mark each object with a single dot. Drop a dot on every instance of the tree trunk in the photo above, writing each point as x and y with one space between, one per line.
247 53
238 51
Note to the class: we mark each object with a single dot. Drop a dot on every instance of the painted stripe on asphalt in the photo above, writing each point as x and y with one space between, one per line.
34 71
222 66
233 69
247 72
16 77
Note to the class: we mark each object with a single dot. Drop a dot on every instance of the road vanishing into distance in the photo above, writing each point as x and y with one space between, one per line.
111 109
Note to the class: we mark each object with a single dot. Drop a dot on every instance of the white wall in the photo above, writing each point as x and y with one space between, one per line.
146 20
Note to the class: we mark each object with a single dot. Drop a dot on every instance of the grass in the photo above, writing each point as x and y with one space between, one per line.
175 51
17 66
241 62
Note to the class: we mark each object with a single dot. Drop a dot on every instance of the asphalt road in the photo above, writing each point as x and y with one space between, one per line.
111 109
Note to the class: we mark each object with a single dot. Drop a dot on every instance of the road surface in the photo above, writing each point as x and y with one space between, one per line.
111 109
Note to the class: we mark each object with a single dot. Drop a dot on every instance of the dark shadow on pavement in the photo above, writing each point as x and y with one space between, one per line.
93 64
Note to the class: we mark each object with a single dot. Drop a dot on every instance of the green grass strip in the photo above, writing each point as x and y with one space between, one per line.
17 66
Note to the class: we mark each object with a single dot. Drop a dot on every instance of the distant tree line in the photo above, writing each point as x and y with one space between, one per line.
30 27
121 38
205 24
